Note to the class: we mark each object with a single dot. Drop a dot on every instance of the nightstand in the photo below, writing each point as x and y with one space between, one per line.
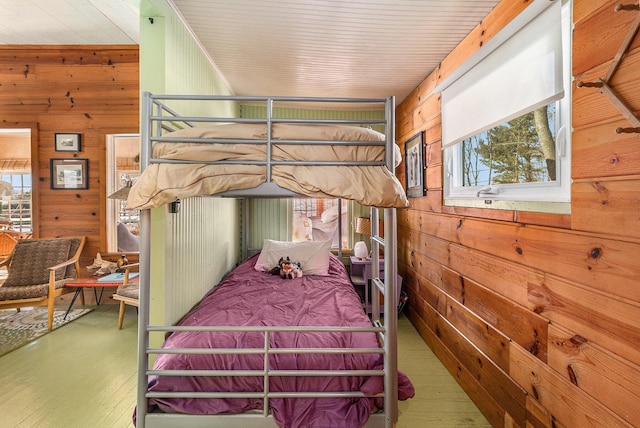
360 273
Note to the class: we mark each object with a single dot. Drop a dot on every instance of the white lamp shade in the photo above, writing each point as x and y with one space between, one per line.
360 250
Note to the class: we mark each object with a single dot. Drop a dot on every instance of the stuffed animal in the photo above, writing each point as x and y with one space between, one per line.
289 269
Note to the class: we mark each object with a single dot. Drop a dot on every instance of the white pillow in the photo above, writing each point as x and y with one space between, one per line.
312 255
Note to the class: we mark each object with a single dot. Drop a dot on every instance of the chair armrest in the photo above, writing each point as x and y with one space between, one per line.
132 265
63 264
127 270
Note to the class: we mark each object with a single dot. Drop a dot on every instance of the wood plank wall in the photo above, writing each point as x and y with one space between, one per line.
536 315
91 90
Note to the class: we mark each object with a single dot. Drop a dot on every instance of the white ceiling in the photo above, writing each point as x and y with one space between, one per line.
338 48
69 22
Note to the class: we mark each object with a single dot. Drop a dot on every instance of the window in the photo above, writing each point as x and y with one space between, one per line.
506 117
15 180
123 169
317 220
15 205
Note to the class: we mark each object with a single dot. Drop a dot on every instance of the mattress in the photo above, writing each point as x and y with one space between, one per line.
247 297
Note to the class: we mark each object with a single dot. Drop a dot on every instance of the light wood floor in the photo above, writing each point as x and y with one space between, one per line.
84 375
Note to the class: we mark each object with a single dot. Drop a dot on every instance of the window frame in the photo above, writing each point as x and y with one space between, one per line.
553 197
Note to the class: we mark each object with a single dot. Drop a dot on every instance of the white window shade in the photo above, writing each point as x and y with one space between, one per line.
516 72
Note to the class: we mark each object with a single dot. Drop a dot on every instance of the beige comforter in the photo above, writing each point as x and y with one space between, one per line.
160 184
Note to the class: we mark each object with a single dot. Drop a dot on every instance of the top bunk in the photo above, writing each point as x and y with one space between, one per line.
190 155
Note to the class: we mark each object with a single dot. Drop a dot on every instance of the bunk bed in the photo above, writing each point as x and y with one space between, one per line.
302 352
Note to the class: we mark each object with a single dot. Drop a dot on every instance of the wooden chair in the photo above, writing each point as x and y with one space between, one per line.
5 223
38 269
7 242
128 293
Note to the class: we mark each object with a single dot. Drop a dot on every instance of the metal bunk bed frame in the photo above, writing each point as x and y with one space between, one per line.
155 118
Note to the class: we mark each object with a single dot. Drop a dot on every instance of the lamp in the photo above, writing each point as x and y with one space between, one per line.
363 227
360 250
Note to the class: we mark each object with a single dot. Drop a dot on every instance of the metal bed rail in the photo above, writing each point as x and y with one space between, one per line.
163 118
266 372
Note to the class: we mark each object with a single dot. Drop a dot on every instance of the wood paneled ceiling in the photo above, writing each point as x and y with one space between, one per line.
342 48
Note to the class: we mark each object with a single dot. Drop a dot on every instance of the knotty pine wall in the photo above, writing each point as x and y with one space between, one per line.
537 315
91 90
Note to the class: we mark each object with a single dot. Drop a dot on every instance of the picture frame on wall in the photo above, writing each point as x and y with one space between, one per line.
414 166
68 142
69 174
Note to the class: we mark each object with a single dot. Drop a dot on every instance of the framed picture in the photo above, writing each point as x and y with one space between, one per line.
414 166
69 174
68 142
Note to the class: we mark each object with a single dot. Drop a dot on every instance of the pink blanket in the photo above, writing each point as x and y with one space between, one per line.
250 298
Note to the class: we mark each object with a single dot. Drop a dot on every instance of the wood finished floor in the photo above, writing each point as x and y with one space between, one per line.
84 375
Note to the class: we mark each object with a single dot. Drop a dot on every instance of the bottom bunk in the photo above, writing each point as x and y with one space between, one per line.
260 349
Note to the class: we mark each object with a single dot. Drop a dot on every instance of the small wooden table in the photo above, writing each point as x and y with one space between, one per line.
90 282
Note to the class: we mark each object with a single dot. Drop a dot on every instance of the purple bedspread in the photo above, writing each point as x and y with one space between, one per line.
250 298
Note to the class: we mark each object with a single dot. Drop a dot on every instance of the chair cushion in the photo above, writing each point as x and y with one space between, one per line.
130 290
27 291
23 292
32 257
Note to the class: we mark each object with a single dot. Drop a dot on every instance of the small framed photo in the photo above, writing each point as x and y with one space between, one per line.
69 174
68 142
414 166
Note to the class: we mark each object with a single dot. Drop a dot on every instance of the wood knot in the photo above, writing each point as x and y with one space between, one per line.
572 375
599 186
626 7
533 348
535 392
632 130
578 340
